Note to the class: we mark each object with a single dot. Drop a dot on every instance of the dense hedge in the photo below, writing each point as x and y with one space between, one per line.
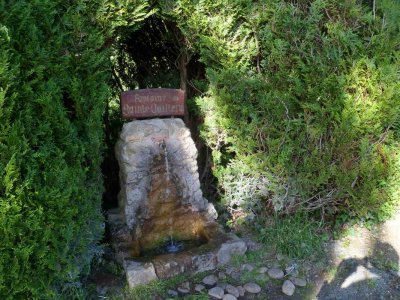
303 104
301 110
54 84
55 91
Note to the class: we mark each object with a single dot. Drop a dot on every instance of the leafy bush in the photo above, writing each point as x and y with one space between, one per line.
55 90
305 94
52 96
301 112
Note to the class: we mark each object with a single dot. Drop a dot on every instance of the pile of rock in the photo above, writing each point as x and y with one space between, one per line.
289 285
215 288
288 276
227 283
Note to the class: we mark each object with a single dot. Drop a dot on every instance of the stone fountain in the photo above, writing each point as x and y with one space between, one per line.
163 225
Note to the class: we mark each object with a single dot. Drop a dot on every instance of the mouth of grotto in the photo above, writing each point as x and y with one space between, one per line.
163 225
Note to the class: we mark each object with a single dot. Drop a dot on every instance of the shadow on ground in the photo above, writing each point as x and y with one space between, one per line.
363 265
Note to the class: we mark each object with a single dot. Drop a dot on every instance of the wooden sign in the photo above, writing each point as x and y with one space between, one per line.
152 103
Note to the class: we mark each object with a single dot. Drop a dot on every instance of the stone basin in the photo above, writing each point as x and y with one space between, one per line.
216 251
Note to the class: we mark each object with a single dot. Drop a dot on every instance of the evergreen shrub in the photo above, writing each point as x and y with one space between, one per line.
301 111
53 90
303 95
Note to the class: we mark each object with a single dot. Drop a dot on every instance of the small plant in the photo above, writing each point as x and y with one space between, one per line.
346 243
331 272
255 258
295 236
160 287
142 291
385 259
202 296
111 267
372 283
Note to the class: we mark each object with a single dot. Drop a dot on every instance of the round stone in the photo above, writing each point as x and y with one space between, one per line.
276 273
229 270
221 275
185 285
237 247
241 290
252 288
199 287
172 293
236 275
183 290
229 297
288 288
222 285
298 281
210 280
247 267
230 289
216 292
263 270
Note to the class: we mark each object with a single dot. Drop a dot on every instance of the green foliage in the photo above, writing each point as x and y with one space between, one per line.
53 87
296 237
303 97
160 287
301 109
119 15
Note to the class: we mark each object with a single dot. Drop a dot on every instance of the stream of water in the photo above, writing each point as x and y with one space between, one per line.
171 246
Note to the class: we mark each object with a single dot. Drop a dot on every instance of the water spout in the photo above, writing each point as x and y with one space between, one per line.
163 146
173 246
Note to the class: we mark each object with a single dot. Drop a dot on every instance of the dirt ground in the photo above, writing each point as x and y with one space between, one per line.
363 264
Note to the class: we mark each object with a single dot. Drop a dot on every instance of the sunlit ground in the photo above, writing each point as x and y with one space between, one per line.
363 264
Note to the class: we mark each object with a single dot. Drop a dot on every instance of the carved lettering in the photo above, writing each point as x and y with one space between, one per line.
152 102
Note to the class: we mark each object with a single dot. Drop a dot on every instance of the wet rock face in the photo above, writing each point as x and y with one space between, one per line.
160 190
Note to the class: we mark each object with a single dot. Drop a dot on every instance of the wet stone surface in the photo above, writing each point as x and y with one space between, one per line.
200 259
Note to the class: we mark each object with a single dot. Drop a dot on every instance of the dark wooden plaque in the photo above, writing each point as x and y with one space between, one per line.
152 103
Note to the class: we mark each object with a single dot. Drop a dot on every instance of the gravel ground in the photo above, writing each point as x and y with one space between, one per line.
363 265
